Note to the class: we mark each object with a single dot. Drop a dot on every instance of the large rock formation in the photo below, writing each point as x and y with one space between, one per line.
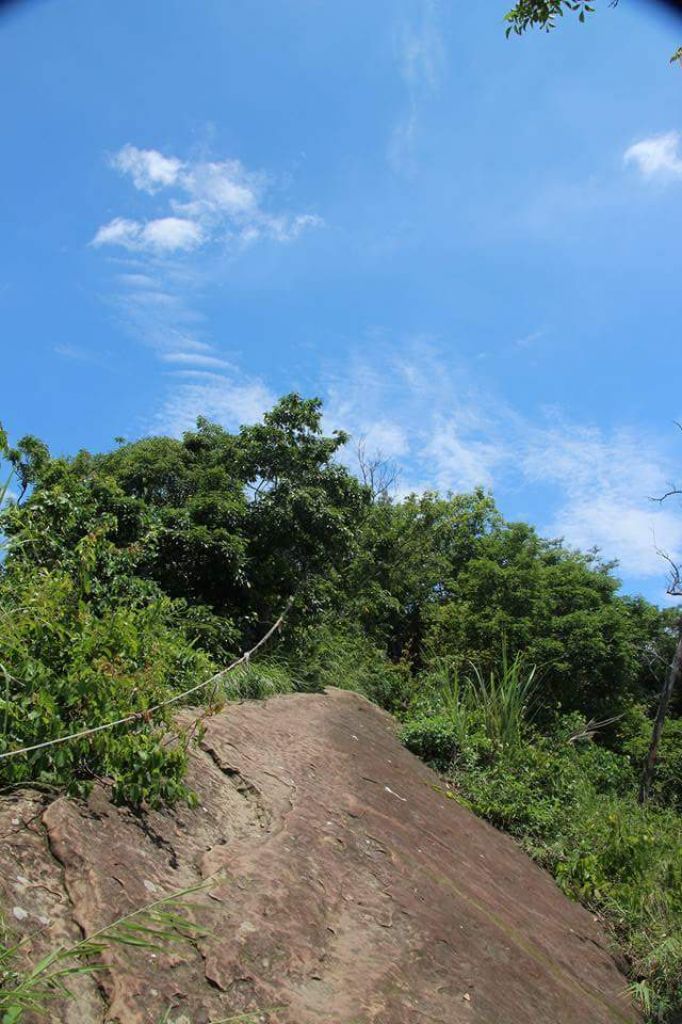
346 888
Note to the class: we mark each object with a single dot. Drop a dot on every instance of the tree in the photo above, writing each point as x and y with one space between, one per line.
377 472
543 14
232 524
672 676
671 681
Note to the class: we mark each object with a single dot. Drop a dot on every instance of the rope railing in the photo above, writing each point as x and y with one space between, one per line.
148 712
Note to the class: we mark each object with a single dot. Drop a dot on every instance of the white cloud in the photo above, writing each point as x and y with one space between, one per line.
420 56
194 205
194 359
168 234
224 186
657 156
387 439
410 404
138 281
458 461
208 201
118 231
452 435
230 401
283 229
605 488
161 236
421 51
149 169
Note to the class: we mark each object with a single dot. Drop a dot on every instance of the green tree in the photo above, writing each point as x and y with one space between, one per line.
543 14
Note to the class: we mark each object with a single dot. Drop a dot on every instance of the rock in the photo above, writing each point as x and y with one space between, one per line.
343 887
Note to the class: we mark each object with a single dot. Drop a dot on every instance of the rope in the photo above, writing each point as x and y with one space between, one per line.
148 712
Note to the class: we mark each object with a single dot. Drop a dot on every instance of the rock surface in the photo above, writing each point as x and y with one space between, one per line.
345 888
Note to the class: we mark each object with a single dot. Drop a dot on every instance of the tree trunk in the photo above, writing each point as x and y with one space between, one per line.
674 673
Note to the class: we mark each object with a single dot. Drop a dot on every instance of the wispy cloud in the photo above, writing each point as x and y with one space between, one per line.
605 483
198 210
422 409
206 201
421 56
411 404
78 354
163 235
195 359
658 156
529 340
229 399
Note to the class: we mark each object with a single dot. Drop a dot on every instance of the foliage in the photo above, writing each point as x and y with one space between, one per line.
438 577
634 736
256 682
544 13
68 663
454 712
504 696
329 655
131 575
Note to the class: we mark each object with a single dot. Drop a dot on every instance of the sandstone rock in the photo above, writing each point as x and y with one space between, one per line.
344 888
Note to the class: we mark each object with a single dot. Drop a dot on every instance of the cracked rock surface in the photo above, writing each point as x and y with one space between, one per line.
343 888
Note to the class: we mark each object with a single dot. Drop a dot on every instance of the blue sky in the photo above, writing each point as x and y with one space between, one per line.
468 246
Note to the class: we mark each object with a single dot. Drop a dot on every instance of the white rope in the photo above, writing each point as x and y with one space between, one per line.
148 712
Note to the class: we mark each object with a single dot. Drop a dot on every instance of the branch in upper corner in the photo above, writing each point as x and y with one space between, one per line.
543 14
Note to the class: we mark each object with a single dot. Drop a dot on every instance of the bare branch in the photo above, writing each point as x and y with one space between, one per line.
668 494
377 472
674 587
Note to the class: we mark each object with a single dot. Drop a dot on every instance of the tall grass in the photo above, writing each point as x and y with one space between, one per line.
457 696
505 697
255 682
498 701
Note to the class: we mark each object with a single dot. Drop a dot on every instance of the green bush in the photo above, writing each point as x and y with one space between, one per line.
625 861
434 738
329 655
635 736
68 663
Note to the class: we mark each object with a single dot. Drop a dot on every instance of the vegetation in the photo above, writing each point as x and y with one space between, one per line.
28 988
544 13
132 575
571 802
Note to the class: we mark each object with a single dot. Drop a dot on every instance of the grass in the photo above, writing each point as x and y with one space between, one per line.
255 681
30 989
504 696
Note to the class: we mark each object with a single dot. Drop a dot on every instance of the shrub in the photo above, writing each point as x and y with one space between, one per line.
625 861
635 736
434 738
329 655
68 663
